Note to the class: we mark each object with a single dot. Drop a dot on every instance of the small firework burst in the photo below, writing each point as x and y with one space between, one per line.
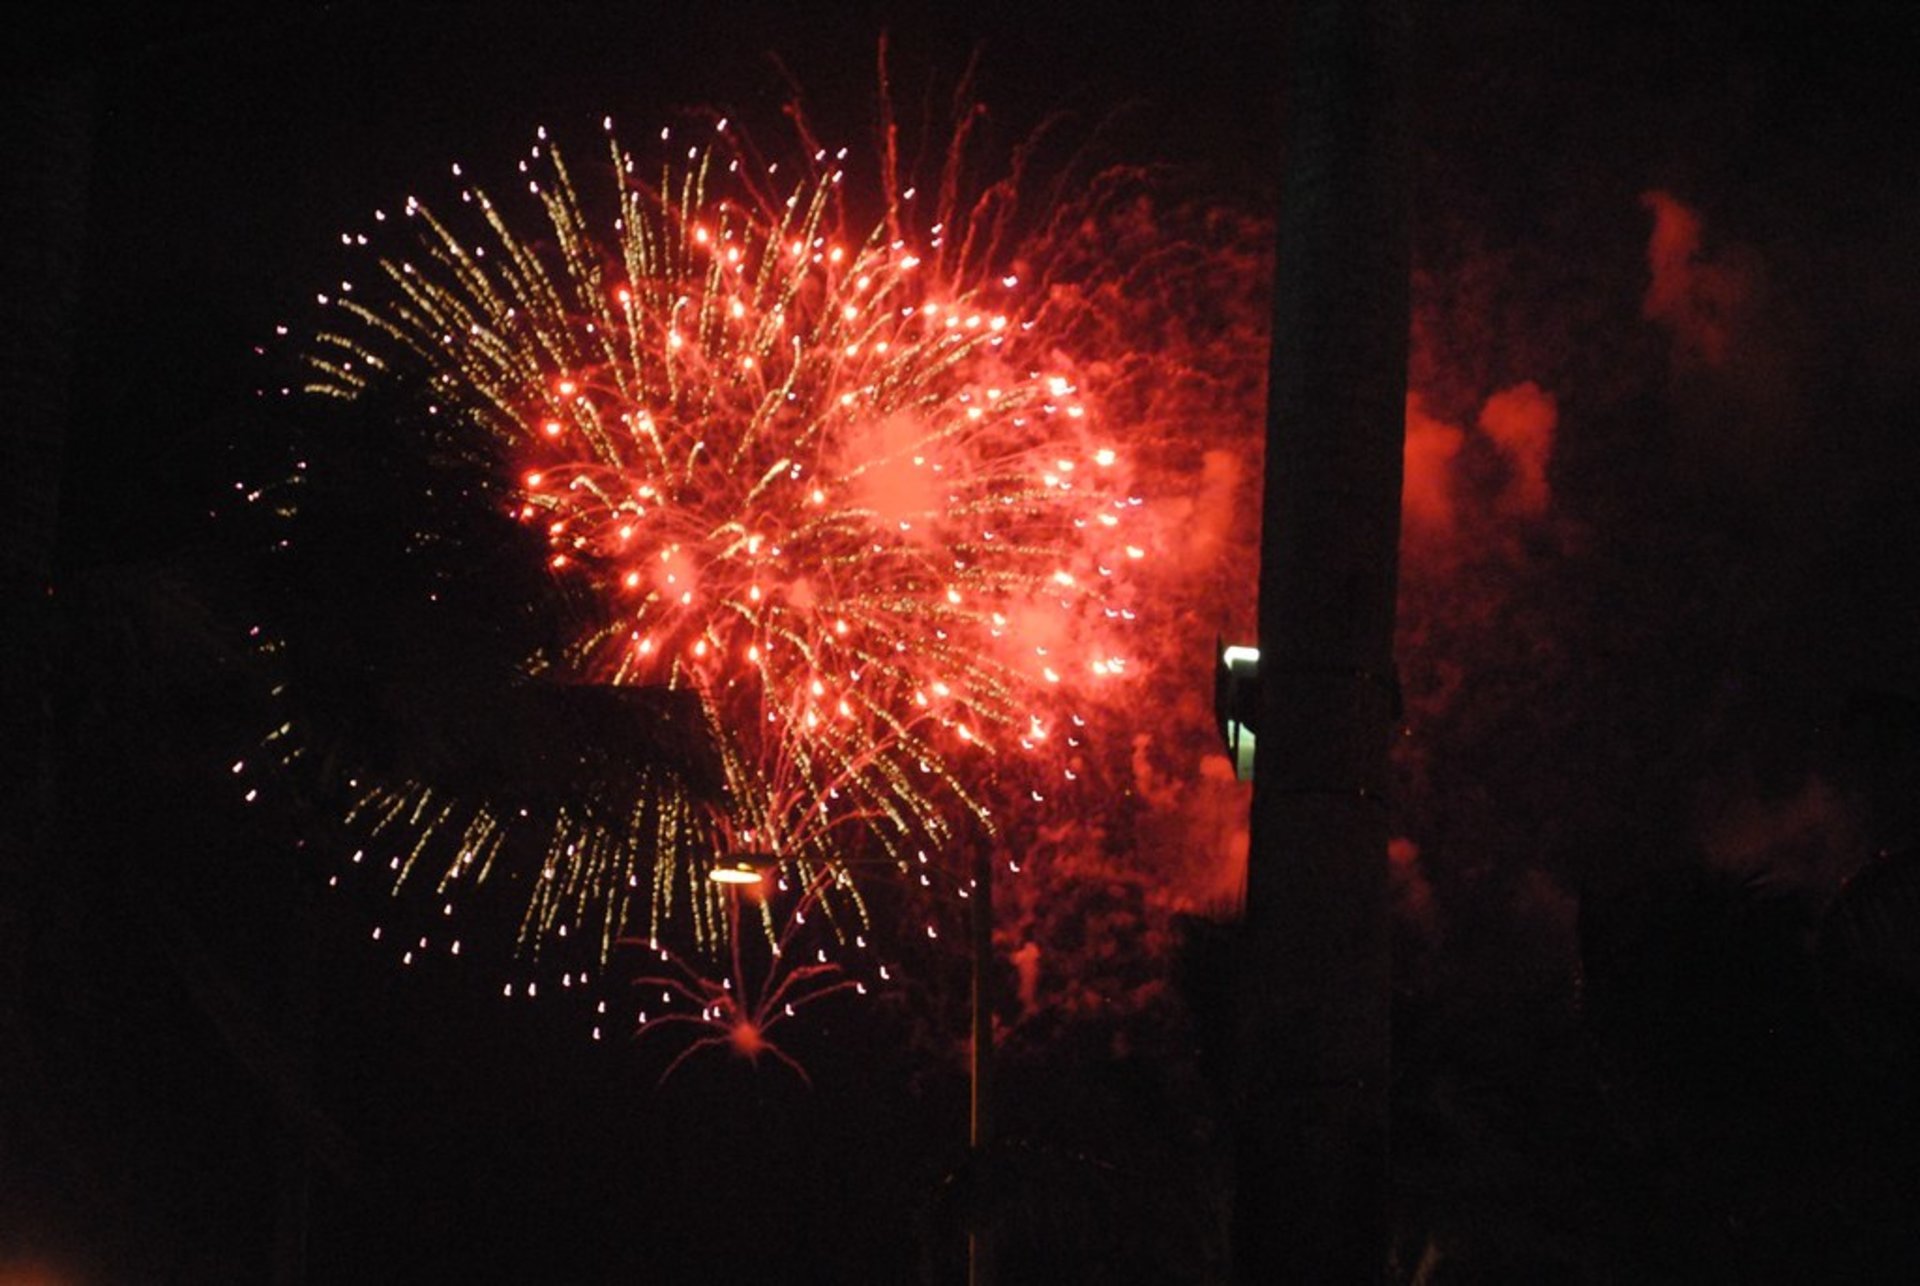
765 980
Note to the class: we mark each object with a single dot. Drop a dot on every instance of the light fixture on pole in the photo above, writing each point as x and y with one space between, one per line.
742 868
1236 703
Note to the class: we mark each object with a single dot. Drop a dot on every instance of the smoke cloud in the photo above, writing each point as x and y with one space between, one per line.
1517 424
1699 300
1734 355
1520 422
1426 498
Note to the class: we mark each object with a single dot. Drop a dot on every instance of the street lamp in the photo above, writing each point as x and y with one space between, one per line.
742 868
1236 703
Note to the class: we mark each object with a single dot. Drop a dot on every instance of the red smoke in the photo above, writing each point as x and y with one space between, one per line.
1182 339
1517 425
1520 422
1426 498
1699 300
1736 357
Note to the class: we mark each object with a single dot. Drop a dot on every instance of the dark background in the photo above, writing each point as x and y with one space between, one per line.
201 1039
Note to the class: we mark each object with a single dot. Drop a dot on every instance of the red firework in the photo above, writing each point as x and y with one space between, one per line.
835 479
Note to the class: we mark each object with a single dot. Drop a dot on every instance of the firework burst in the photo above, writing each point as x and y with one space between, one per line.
833 479
737 1007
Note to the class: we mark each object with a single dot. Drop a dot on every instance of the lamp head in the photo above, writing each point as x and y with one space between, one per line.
742 868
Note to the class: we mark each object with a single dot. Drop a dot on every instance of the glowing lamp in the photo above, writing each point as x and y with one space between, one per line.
1236 703
742 868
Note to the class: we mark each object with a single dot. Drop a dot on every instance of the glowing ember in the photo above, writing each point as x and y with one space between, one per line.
747 1040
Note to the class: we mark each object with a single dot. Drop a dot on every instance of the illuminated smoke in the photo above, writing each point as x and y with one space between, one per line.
1520 422
1736 354
1413 898
1426 496
1698 299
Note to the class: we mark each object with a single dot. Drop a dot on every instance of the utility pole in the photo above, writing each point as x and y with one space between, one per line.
1312 1052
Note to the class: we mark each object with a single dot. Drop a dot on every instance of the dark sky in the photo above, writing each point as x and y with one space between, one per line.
1729 561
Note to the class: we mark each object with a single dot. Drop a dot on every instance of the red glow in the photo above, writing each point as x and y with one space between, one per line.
747 1040
1699 299
1520 421
1426 496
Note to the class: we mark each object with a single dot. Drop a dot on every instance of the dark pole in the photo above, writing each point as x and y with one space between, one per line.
980 1121
1312 1058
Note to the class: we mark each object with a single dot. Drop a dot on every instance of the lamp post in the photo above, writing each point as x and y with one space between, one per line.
743 870
980 1116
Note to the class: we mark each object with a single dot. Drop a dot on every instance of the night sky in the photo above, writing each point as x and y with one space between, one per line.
1657 1016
